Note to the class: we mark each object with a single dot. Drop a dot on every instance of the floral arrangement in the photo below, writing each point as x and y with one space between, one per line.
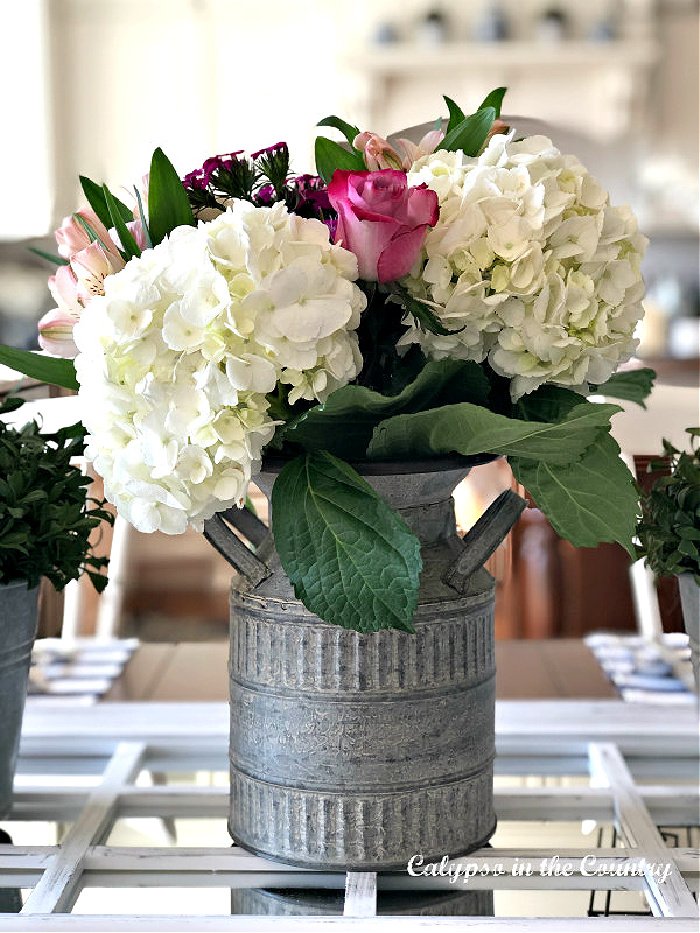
669 527
458 296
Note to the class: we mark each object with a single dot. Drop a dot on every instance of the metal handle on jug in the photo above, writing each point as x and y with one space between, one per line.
482 540
217 531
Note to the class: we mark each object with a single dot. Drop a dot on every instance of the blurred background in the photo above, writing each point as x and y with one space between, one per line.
93 87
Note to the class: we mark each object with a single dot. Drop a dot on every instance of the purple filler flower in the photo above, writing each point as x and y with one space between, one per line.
200 178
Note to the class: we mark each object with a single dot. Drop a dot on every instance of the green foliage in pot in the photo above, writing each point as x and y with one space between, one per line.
46 519
669 528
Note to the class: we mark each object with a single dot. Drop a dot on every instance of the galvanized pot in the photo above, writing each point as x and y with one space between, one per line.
690 603
304 903
18 618
354 750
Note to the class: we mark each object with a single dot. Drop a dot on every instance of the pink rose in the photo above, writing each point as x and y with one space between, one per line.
381 220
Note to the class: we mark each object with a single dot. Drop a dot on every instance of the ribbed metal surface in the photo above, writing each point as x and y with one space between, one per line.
354 750
288 654
361 831
303 903
18 615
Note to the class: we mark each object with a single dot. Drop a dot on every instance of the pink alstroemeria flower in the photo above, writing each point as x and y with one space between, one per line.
91 266
72 237
380 154
410 152
56 326
381 220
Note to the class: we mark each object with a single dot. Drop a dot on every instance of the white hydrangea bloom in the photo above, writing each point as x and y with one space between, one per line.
177 358
529 264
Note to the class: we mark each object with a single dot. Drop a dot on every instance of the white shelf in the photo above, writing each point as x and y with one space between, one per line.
411 58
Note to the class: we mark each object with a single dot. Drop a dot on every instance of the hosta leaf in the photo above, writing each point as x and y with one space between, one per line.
168 204
350 557
344 424
49 369
470 429
586 502
331 156
633 386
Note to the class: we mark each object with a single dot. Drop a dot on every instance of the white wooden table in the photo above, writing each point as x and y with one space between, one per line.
642 764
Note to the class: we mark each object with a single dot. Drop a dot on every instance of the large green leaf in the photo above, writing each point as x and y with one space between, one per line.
331 156
495 100
344 424
168 204
50 369
469 135
126 238
351 558
470 429
96 199
347 129
455 111
548 403
586 502
633 386
49 257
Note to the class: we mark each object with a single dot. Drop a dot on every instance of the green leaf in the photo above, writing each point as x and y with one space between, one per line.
50 257
547 403
142 216
456 113
587 502
168 204
470 429
96 199
50 369
424 315
347 129
495 100
331 156
633 386
128 243
469 135
351 558
344 424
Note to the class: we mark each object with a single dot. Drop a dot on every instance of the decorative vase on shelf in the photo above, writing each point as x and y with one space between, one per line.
690 603
18 620
359 750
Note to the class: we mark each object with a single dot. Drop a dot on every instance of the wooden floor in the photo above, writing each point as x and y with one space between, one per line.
526 670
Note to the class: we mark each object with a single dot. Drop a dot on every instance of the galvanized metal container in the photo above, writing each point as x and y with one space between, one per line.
304 903
18 618
690 603
354 750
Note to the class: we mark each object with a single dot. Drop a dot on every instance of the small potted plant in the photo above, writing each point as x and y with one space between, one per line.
46 521
669 530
